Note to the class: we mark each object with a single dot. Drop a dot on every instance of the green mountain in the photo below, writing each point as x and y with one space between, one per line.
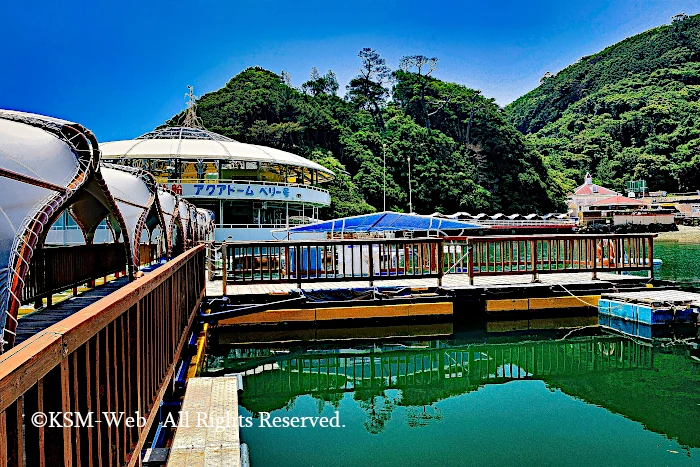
464 154
629 112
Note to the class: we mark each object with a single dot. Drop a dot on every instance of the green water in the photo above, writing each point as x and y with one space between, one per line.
681 262
506 400
497 398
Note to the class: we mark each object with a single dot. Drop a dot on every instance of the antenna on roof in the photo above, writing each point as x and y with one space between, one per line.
191 119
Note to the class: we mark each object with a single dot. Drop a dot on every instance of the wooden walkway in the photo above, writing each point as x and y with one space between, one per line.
207 434
37 321
450 281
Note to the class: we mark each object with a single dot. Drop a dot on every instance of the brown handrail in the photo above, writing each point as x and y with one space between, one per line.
116 355
542 254
371 259
55 269
331 260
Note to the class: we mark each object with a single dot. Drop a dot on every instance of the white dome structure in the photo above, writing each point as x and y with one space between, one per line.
251 190
195 144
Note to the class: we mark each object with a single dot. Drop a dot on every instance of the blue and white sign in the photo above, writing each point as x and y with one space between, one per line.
256 191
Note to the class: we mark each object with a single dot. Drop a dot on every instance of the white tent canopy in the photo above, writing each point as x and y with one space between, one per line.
168 205
46 166
50 166
35 153
135 201
195 144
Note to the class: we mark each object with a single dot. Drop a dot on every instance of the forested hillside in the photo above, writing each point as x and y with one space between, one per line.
464 154
629 112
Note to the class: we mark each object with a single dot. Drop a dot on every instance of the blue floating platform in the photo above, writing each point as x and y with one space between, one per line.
651 307
646 331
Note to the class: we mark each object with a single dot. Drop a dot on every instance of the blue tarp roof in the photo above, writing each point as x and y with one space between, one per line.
385 222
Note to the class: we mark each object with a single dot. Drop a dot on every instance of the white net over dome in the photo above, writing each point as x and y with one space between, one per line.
180 132
186 143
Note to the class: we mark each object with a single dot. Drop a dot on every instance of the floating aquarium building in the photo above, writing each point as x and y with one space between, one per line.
252 190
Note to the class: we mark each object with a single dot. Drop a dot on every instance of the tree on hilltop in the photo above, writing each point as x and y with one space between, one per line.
317 84
368 90
421 63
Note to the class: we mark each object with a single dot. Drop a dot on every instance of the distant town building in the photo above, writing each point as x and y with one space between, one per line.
618 210
587 194
686 206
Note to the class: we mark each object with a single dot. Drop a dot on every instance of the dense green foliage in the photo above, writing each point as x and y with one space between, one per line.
629 112
488 167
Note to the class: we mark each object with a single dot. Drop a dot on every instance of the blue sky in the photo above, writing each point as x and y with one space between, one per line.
122 68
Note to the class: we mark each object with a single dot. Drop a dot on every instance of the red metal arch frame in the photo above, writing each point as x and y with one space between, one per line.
153 203
175 221
84 145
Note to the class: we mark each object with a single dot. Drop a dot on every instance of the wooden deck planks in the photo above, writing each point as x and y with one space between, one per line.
456 281
39 320
654 296
215 442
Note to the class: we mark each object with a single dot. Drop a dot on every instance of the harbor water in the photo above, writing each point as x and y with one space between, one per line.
681 262
533 398
507 394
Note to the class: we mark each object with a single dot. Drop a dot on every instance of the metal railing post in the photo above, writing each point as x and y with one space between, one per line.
594 250
440 253
297 260
211 259
224 267
533 260
650 241
470 250
371 263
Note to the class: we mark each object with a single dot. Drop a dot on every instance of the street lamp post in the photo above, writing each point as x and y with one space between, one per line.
410 189
384 157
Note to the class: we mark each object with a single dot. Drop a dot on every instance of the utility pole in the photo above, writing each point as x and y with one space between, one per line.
410 189
384 157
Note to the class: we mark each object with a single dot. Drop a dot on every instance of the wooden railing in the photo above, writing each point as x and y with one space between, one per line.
149 253
390 259
54 270
117 355
541 254
331 260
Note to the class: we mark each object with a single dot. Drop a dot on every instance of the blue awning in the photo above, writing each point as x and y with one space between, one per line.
385 222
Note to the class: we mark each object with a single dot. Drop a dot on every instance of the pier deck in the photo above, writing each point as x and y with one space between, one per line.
207 434
37 321
449 281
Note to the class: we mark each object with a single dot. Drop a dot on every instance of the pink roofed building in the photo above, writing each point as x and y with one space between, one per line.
617 202
620 209
588 194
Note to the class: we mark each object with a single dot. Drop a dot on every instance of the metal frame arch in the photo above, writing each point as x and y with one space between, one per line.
30 234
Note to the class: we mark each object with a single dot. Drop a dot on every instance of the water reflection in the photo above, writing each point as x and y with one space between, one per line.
656 385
